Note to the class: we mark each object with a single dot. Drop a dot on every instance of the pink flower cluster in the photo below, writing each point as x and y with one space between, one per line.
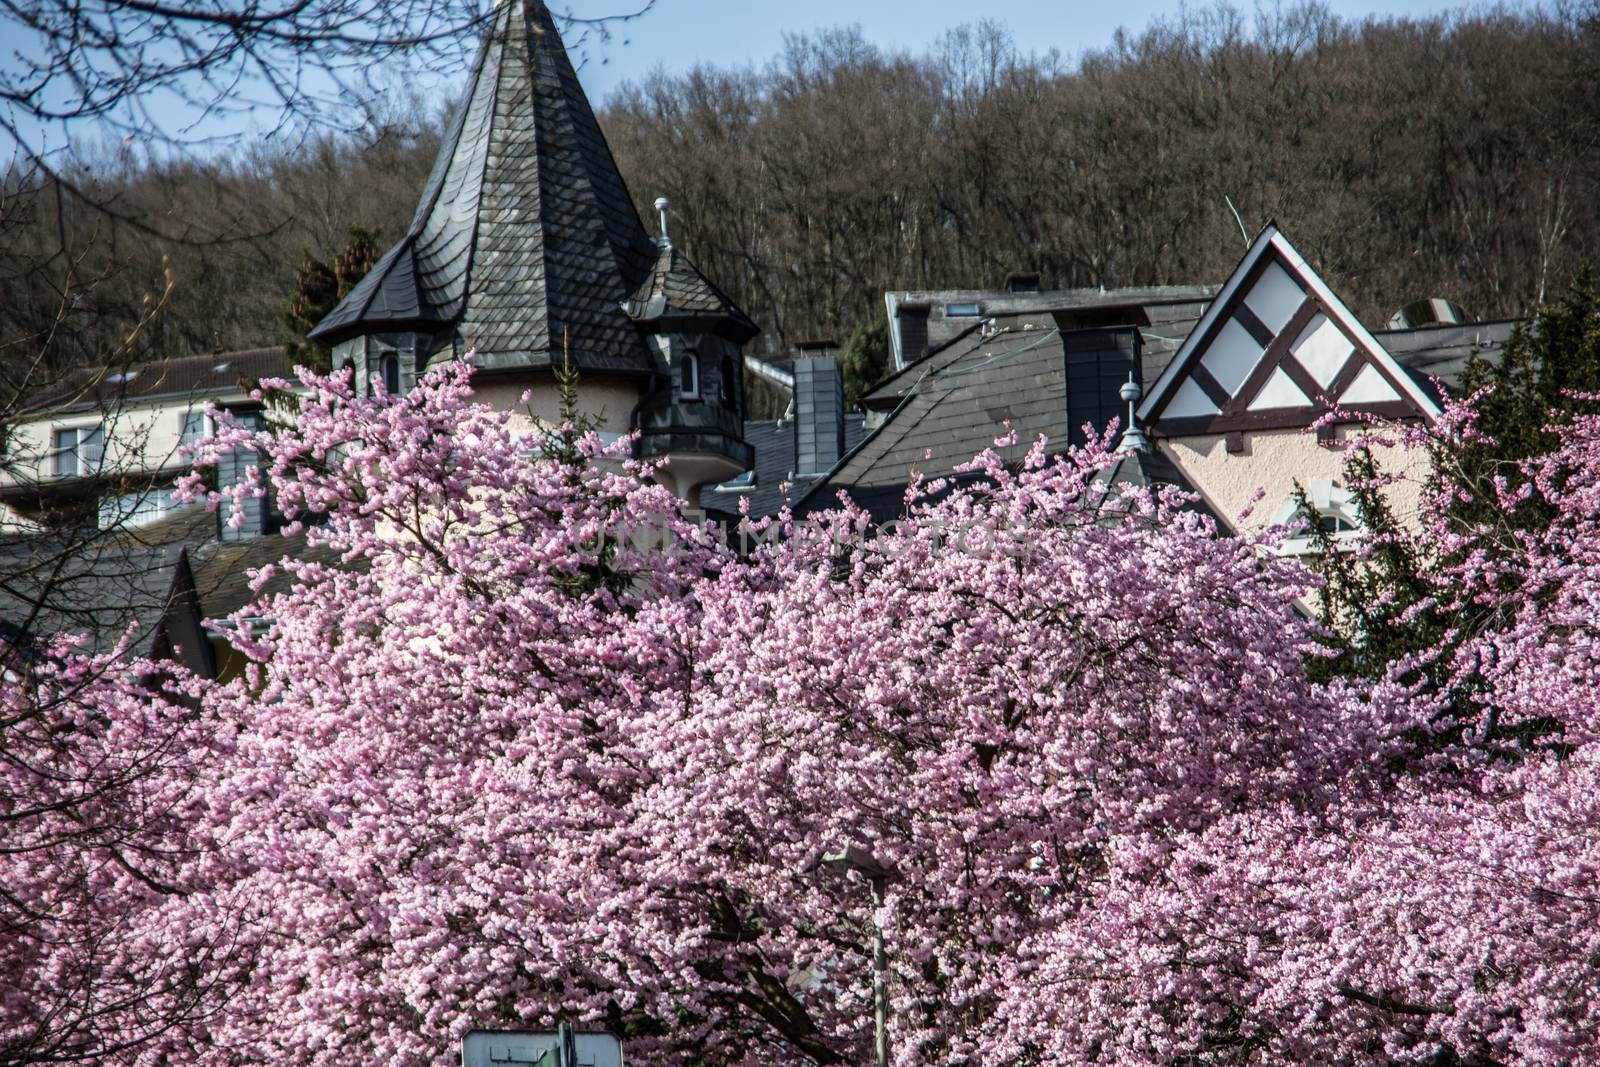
104 825
536 747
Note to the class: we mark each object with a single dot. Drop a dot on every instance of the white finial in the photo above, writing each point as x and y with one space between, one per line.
1133 439
661 205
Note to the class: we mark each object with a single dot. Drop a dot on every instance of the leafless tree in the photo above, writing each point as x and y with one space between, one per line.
123 119
1441 156
153 70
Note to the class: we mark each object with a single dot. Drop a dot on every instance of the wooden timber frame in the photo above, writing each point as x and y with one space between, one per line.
1235 412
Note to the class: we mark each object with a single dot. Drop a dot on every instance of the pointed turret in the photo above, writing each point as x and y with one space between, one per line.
695 413
525 231
526 247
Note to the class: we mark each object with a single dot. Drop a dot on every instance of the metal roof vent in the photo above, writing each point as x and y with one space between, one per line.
662 203
1133 438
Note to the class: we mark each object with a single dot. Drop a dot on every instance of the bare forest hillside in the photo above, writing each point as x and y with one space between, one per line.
1455 157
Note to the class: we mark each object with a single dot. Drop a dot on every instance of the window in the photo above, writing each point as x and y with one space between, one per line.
136 509
1335 524
1334 511
256 514
1098 365
742 484
962 311
195 427
78 451
387 371
729 385
689 377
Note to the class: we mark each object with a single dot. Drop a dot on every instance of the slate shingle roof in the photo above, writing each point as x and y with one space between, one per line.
1067 308
956 401
1165 315
525 230
1144 469
774 444
98 585
165 578
675 287
222 569
197 376
952 406
1443 351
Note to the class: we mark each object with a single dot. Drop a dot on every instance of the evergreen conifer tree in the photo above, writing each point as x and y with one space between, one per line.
318 288
1397 595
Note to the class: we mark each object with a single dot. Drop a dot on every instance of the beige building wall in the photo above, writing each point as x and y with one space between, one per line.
142 439
137 439
1273 460
609 400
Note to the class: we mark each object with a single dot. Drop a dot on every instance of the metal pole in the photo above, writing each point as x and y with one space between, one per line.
880 981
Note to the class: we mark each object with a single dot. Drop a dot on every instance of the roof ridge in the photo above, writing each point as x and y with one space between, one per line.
925 364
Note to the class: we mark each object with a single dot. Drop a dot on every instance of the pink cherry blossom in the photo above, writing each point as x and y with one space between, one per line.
522 743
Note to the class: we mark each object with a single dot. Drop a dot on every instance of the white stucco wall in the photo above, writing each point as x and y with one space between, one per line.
1273 460
138 439
609 400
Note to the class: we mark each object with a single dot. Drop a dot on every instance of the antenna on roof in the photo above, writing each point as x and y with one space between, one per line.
661 205
1242 231
1133 438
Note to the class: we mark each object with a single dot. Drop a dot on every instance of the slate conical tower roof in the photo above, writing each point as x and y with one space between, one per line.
525 229
675 293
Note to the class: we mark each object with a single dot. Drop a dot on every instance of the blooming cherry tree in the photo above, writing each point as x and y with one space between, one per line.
1442 911
103 852
535 747
520 742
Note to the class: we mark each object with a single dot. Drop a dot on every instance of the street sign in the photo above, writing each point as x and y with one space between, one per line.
531 1048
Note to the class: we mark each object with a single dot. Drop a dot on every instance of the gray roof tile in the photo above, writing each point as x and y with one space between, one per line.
952 405
774 444
199 377
1443 351
525 230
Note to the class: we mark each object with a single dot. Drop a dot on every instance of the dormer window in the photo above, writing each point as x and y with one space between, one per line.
744 483
689 377
388 372
1334 511
137 509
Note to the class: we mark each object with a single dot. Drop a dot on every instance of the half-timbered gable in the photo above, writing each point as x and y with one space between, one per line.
1277 349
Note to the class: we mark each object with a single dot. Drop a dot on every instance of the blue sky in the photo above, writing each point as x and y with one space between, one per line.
677 34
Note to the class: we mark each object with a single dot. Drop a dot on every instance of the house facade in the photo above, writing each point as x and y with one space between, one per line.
1233 379
101 447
